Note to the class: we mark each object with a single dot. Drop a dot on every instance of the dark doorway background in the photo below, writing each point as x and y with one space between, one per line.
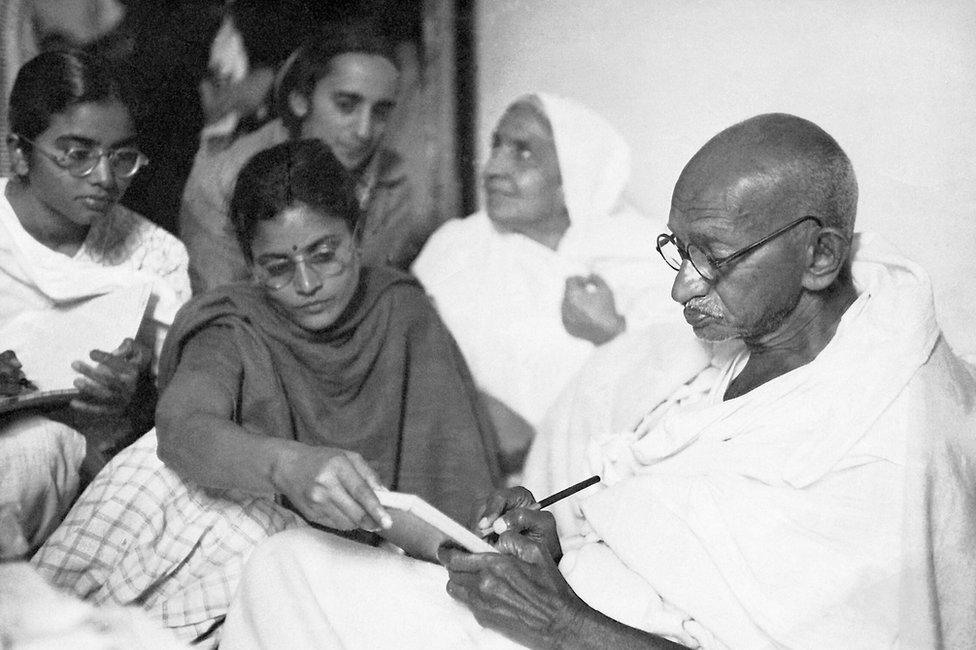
168 43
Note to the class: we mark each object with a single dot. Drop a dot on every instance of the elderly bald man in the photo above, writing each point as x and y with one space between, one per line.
801 474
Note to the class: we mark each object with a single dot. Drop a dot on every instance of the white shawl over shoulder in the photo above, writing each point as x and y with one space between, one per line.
831 507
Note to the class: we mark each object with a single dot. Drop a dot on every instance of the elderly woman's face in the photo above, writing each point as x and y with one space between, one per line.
523 188
79 201
349 108
308 265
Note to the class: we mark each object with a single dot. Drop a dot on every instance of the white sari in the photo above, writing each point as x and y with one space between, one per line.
500 293
39 458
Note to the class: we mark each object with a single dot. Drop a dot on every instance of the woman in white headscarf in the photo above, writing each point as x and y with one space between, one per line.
555 264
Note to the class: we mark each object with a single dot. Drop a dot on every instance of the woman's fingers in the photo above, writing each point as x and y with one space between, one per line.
344 481
109 385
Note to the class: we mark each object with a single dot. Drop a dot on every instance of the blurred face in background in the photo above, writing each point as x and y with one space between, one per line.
523 186
350 107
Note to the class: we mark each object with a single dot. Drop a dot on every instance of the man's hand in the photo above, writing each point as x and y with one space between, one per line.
515 510
107 388
12 378
518 592
333 487
589 311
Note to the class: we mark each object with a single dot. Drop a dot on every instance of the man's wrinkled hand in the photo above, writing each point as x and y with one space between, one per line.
515 510
589 310
518 592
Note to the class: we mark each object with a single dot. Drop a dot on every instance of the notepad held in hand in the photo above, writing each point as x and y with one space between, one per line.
46 341
419 528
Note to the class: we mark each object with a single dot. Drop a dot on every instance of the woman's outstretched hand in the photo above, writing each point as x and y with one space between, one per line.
335 488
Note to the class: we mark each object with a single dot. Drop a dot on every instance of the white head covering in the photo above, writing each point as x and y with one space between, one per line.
594 160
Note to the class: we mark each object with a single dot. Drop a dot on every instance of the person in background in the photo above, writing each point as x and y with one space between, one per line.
340 87
802 471
64 239
287 399
555 265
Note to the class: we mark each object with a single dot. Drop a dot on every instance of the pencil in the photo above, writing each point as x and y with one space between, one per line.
498 526
570 491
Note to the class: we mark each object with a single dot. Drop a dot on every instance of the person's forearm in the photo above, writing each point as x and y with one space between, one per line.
215 452
592 630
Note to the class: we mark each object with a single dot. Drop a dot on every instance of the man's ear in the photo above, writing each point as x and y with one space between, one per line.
19 164
298 104
826 256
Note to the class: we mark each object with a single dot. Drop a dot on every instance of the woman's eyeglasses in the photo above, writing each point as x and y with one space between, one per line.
325 261
707 266
80 161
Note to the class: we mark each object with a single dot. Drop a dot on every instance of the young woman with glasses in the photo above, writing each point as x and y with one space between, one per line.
296 393
65 239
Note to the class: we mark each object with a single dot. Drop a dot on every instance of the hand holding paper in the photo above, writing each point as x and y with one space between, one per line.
333 487
108 387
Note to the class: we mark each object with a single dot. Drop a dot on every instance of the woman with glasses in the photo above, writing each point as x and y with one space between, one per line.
285 399
64 239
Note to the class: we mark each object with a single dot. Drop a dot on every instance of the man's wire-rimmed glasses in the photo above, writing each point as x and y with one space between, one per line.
707 266
80 161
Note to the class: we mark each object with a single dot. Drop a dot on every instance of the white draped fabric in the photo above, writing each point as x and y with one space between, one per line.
500 293
801 514
39 459
121 250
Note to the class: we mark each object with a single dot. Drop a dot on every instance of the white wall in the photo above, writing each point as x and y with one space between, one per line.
894 81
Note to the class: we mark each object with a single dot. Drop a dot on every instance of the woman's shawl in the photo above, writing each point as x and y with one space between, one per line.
500 293
121 250
805 513
386 381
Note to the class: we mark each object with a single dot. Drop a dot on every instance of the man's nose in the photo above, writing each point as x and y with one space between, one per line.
364 125
688 284
307 280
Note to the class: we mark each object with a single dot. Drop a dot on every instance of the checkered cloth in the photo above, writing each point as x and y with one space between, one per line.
141 535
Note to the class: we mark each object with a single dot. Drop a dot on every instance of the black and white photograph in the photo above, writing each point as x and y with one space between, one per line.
488 324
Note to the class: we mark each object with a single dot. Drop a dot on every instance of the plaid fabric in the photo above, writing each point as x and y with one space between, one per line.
141 535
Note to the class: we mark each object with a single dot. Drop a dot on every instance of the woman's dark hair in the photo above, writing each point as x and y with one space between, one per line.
313 61
294 172
53 82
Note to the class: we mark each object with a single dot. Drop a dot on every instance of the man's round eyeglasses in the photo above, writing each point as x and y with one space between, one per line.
277 272
80 161
707 266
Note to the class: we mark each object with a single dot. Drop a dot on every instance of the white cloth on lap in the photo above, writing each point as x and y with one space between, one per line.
39 461
309 589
